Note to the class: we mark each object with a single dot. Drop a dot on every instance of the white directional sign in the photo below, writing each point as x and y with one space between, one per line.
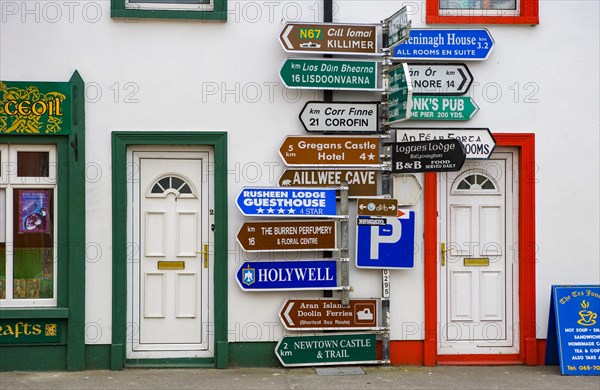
350 117
479 143
440 79
398 28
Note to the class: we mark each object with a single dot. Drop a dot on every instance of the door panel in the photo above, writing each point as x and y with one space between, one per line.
168 279
477 311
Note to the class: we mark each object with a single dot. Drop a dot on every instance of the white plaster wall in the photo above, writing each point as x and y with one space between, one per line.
189 75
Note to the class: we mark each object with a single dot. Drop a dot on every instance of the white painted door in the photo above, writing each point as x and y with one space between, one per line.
170 272
478 281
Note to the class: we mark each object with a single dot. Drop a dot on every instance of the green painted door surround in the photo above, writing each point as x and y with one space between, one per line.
121 140
55 116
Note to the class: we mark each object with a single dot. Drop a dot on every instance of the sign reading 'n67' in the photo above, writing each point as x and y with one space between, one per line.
329 38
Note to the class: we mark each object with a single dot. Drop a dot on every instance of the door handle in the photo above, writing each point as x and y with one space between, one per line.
204 254
444 250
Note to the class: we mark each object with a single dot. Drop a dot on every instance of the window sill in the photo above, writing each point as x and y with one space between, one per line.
32 312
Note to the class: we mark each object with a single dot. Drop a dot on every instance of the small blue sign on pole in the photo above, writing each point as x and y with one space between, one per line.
574 329
440 44
287 202
386 242
288 275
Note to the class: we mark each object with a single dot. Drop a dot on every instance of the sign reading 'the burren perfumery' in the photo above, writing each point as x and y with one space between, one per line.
35 108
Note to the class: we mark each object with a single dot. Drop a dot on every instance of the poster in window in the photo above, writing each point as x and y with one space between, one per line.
33 210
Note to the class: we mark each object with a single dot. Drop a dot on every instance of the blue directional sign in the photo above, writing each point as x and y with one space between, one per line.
386 242
440 44
287 275
286 202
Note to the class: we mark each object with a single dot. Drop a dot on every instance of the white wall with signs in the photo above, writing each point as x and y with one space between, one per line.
152 75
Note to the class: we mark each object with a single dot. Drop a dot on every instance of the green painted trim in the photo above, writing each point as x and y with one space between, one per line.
70 241
17 314
97 357
120 141
33 358
76 234
118 10
253 355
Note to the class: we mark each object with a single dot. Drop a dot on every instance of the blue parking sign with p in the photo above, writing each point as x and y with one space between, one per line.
386 242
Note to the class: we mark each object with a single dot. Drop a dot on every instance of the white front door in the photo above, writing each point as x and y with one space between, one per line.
169 275
478 258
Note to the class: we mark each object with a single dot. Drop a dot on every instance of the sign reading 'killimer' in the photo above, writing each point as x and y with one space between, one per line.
305 73
267 236
329 38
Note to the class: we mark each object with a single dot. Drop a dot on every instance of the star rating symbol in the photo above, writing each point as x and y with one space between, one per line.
270 210
371 156
291 211
281 211
260 210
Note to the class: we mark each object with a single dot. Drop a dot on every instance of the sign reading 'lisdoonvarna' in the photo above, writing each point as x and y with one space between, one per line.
35 108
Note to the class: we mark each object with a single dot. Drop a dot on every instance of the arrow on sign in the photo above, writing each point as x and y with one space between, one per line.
286 313
440 79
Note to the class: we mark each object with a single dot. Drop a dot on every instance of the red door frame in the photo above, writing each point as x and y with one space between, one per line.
527 260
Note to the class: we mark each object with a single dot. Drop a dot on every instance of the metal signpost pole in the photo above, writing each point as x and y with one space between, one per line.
344 246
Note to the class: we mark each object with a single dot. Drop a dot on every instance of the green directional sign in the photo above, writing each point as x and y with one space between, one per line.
305 73
443 108
327 349
399 94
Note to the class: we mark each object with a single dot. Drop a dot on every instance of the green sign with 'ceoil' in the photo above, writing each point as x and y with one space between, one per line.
35 108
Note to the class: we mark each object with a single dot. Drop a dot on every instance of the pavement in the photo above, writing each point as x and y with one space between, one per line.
330 378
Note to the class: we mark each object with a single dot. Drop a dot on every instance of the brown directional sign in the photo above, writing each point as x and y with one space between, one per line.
328 314
330 150
375 207
273 236
360 182
329 38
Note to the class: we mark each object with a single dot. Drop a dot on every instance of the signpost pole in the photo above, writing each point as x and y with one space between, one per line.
344 244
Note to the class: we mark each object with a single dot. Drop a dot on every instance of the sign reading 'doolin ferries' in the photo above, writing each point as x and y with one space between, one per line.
285 202
354 117
271 236
330 150
479 143
305 73
329 314
288 275
360 182
329 38
443 108
399 94
41 108
446 155
327 349
440 44
440 79
576 312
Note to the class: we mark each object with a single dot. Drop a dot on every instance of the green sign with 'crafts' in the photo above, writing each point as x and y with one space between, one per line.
327 349
35 108
29 331
443 108
306 73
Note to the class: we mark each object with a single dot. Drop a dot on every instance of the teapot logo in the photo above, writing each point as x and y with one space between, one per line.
588 317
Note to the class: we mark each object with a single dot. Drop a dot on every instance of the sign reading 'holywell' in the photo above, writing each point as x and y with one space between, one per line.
287 275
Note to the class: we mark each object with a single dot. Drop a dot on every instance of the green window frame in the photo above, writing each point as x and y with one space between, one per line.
207 10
